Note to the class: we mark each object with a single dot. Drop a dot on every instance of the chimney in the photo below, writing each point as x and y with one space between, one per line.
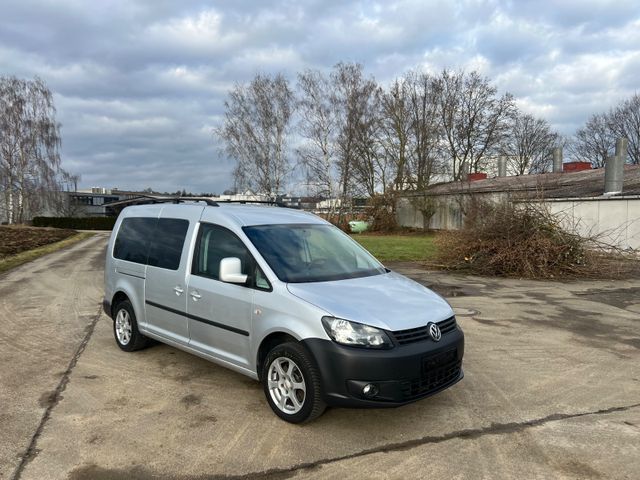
502 166
622 145
557 160
613 175
614 168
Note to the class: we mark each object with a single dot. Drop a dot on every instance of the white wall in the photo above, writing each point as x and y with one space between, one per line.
615 221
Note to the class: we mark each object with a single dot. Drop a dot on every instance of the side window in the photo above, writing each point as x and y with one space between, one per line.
216 243
261 282
132 242
167 242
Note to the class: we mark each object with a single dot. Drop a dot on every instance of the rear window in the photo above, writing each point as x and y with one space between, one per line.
167 242
151 241
132 242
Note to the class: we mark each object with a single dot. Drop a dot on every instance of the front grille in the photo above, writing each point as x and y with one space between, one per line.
437 371
412 335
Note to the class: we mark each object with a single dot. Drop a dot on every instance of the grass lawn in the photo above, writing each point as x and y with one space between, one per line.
398 248
20 244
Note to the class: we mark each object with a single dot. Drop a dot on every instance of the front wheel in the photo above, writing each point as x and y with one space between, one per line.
291 383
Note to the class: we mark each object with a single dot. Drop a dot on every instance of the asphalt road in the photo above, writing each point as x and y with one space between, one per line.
552 390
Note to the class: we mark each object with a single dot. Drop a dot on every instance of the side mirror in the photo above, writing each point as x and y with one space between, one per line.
231 271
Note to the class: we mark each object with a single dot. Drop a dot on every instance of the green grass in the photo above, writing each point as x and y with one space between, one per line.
398 248
14 261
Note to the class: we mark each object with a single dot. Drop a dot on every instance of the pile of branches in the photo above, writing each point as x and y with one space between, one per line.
515 240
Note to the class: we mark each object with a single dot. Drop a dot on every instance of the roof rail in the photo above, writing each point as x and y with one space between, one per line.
260 202
207 200
150 199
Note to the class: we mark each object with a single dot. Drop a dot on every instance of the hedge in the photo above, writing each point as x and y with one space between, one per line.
76 223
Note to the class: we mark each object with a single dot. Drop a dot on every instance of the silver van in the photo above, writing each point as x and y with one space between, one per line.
281 296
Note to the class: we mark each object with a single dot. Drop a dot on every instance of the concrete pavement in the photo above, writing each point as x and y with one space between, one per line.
552 390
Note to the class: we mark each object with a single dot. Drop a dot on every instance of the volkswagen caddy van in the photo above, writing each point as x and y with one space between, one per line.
282 296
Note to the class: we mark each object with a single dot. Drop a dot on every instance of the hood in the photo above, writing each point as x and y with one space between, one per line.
389 301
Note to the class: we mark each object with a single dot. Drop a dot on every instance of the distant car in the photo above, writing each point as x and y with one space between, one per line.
283 297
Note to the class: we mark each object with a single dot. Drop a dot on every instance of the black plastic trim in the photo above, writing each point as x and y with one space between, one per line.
198 319
131 274
106 306
343 369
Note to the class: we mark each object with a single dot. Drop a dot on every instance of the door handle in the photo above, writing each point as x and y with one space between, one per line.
178 289
195 295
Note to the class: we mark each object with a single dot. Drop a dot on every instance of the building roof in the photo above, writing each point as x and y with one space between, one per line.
586 183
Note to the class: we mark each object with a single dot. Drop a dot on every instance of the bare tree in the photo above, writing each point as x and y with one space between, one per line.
351 98
372 168
29 147
396 131
474 119
624 121
528 144
256 131
595 141
318 128
425 131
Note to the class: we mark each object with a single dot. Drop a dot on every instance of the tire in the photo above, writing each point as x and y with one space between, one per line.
125 328
290 375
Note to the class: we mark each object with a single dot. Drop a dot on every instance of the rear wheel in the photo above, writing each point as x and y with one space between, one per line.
291 383
125 328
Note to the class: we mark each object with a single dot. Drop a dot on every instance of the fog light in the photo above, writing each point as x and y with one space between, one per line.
370 390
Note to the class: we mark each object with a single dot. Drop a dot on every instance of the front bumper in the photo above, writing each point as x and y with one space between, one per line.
401 375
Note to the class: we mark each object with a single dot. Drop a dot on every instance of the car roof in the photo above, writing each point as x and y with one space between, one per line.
239 214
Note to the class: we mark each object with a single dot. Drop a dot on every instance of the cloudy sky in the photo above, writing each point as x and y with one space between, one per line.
140 84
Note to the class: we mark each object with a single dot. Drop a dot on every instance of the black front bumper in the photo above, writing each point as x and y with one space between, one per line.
400 375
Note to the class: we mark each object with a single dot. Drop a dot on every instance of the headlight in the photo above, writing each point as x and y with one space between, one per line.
355 334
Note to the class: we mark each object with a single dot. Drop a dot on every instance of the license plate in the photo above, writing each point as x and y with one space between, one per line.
439 360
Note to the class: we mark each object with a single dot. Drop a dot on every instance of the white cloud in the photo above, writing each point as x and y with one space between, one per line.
140 84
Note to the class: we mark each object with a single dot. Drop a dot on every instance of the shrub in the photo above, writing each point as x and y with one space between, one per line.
76 223
382 213
506 239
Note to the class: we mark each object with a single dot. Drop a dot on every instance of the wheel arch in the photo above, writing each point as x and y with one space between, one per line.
118 297
268 343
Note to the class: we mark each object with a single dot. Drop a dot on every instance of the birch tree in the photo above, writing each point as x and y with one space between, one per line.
256 131
29 146
318 128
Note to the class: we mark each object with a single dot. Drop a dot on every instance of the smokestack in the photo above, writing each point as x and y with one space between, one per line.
622 144
557 160
502 166
464 171
613 178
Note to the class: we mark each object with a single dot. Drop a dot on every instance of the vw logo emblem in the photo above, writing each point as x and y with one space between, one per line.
434 332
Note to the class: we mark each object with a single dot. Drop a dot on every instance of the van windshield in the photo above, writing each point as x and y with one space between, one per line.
312 253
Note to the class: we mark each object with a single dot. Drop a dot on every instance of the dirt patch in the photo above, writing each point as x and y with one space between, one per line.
191 400
448 291
14 240
47 399
621 297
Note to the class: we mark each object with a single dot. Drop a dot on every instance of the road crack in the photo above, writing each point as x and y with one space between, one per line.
466 434
55 398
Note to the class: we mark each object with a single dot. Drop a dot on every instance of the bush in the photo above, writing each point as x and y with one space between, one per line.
76 223
382 214
516 240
